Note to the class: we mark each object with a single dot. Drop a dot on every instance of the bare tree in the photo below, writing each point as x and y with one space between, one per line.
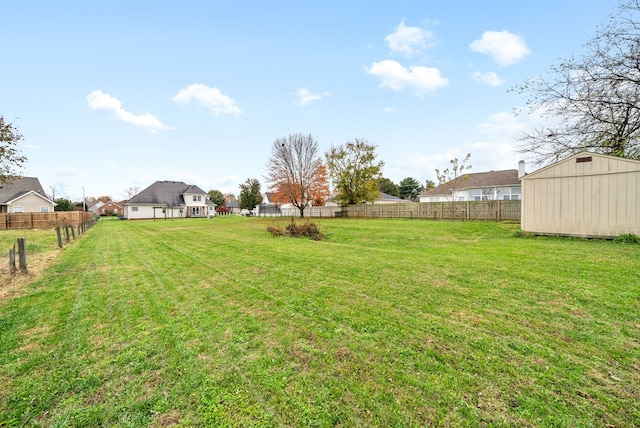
53 190
591 102
453 178
131 191
295 169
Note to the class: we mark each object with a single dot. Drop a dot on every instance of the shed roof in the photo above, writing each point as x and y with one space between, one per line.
609 163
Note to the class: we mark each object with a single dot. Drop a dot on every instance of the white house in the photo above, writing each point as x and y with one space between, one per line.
24 195
169 199
482 186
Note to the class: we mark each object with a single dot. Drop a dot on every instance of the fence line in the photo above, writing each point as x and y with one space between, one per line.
464 210
43 220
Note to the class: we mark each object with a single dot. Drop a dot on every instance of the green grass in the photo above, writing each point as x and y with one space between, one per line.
214 322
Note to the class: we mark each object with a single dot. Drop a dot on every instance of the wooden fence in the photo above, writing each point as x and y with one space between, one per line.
43 220
469 210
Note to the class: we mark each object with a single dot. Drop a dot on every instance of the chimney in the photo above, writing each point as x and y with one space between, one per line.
521 172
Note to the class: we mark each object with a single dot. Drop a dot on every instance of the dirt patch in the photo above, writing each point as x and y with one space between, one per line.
14 284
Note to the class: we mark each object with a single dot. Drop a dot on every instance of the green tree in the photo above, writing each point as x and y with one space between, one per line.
10 158
590 102
387 186
217 198
354 171
250 194
64 204
410 188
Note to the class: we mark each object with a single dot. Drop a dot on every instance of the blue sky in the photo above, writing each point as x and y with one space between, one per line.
119 94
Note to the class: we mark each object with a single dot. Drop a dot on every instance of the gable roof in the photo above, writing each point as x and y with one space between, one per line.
507 177
16 187
167 193
277 198
630 164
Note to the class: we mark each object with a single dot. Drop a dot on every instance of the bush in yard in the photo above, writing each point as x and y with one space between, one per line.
308 229
628 238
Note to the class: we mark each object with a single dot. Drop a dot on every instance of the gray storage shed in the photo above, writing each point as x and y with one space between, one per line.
587 194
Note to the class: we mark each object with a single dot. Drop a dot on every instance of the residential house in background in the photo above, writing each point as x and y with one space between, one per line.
169 199
24 195
107 208
482 186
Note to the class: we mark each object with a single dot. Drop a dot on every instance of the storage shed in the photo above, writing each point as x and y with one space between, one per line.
587 194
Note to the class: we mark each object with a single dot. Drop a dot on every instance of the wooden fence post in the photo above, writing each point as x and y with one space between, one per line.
59 236
12 258
22 254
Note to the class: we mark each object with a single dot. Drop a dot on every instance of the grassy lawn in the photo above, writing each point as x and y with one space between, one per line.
214 322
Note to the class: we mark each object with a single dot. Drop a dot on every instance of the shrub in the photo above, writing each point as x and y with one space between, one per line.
628 238
308 229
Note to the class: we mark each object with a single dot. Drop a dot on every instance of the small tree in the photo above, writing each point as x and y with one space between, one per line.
250 194
355 171
10 158
217 198
410 188
452 178
64 204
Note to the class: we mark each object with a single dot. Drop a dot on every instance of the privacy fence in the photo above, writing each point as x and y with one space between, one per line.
43 220
469 210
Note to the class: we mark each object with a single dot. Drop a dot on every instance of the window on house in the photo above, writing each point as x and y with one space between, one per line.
134 208
44 209
194 198
18 209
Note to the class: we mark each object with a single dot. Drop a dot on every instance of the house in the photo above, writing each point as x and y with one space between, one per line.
24 195
102 208
482 186
169 199
587 195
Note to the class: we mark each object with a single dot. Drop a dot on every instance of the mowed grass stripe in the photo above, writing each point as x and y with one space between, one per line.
387 322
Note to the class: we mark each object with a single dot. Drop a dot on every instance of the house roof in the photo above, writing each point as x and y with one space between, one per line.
17 187
277 198
504 178
390 198
167 193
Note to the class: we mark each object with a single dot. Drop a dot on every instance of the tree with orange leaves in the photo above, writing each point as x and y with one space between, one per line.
295 171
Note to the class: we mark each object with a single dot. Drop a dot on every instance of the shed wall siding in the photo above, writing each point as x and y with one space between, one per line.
597 198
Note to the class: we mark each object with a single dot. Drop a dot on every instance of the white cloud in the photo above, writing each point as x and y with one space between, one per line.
98 100
490 78
209 98
409 41
504 47
304 96
419 78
